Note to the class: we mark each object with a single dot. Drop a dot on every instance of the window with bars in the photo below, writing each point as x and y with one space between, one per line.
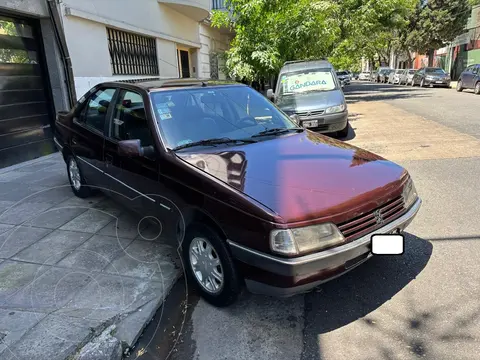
132 54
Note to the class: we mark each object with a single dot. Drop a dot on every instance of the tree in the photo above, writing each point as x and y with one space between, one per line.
436 23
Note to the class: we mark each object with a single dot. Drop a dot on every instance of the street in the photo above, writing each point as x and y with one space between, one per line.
422 304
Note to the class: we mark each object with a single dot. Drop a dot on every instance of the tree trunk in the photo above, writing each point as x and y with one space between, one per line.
430 54
409 57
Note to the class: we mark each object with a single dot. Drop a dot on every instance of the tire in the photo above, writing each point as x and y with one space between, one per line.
231 287
459 87
76 179
477 88
344 132
413 83
422 83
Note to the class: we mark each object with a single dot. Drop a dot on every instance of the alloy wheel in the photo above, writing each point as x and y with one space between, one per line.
74 172
477 88
206 265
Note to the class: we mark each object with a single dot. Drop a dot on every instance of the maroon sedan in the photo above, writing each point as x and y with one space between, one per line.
252 198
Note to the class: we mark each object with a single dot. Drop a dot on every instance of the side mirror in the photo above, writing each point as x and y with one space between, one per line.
270 94
133 148
342 84
295 118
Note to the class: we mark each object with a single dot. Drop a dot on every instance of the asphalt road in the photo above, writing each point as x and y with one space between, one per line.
424 304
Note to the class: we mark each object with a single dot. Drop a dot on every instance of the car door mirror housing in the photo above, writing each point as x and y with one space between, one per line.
270 94
134 148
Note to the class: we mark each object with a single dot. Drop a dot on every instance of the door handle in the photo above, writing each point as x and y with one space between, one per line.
108 159
74 141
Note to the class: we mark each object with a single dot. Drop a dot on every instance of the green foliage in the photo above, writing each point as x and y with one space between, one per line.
437 23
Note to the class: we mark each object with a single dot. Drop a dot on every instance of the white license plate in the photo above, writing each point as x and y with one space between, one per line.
438 82
309 124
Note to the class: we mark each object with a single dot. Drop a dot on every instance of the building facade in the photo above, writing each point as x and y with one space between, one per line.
106 40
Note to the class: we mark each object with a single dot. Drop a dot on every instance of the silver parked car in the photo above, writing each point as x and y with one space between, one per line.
364 76
311 93
406 76
394 78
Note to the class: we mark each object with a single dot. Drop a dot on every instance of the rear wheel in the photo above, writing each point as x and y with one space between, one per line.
210 266
459 87
477 88
77 181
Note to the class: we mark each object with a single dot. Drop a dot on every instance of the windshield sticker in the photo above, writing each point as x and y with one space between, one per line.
165 116
311 81
118 122
170 104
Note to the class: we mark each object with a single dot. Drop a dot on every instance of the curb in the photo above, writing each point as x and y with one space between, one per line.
28 162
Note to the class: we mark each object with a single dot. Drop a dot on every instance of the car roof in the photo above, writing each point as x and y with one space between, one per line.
290 66
156 84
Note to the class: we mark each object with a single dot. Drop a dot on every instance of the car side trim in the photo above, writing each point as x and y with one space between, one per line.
121 182
326 259
57 143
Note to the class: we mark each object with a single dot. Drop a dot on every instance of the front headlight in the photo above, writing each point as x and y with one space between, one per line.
409 194
305 239
428 77
335 109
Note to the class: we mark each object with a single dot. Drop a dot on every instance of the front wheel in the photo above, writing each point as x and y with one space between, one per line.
344 132
459 87
77 181
210 266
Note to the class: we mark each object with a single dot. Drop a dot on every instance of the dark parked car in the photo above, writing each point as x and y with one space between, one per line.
384 75
431 76
470 79
253 199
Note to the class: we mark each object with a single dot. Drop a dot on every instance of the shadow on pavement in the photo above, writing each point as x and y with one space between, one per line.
351 297
384 96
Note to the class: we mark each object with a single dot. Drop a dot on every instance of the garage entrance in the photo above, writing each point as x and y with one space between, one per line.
25 111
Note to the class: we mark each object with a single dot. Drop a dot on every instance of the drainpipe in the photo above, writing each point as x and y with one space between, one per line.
62 45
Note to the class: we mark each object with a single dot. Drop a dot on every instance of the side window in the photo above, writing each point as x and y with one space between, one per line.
476 69
95 112
130 120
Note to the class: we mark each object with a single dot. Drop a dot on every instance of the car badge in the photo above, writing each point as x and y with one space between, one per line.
378 217
309 114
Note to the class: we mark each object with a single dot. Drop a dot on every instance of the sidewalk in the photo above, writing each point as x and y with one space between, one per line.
72 268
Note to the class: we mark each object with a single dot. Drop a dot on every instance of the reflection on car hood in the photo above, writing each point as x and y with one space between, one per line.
303 176
311 101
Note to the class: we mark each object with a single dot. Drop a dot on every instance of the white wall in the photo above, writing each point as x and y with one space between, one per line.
212 41
85 23
28 7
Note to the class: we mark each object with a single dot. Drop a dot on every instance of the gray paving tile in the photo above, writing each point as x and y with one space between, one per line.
23 212
110 295
36 167
54 338
53 218
4 205
14 324
53 247
96 254
14 276
10 191
5 227
50 291
126 226
53 195
86 203
110 207
90 221
18 238
13 176
145 259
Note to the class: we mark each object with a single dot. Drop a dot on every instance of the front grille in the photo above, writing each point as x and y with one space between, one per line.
309 114
367 223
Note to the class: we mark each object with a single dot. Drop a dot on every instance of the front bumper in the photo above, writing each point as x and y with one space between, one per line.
327 123
333 262
437 82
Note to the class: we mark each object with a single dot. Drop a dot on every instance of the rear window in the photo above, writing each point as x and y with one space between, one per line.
342 73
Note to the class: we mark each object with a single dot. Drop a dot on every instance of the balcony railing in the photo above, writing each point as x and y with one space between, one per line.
218 5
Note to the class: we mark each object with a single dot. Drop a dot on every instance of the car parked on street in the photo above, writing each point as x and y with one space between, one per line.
431 76
470 79
344 76
364 76
311 92
406 76
252 198
378 72
394 77
384 75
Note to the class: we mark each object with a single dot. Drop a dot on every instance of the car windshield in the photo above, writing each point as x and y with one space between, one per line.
411 71
233 112
342 73
434 71
307 81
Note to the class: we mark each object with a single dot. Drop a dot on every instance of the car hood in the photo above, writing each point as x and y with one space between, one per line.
311 101
304 176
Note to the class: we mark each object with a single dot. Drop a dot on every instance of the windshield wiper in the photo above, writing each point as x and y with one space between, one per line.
215 141
276 131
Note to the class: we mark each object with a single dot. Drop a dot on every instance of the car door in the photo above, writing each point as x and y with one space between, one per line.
88 138
135 181
467 77
476 75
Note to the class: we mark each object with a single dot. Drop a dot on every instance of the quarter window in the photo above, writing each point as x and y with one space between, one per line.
130 120
95 112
